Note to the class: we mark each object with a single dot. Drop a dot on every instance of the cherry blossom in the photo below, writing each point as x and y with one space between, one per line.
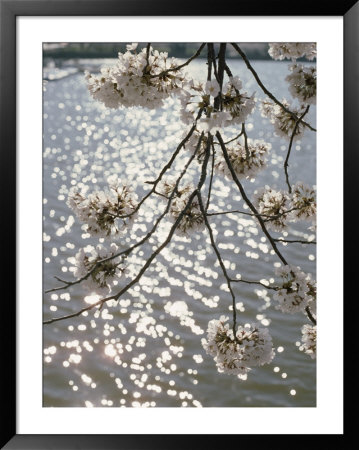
303 200
292 50
284 123
303 83
137 79
296 291
246 162
273 204
102 211
102 274
251 347
309 340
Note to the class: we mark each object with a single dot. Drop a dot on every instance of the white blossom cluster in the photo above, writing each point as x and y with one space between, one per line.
245 162
303 83
167 185
192 219
283 122
309 340
292 50
297 290
196 96
236 105
137 79
273 204
278 208
103 276
251 347
303 202
101 210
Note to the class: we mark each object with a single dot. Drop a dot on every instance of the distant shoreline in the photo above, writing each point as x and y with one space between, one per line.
111 49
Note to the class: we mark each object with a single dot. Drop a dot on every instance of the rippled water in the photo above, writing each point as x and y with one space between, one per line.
146 350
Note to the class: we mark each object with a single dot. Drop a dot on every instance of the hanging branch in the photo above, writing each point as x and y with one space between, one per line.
252 207
246 199
221 263
153 255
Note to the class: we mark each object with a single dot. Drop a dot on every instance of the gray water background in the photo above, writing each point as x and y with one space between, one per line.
122 357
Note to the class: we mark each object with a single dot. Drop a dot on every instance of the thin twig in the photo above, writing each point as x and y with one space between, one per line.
254 282
245 140
267 217
231 140
294 241
290 148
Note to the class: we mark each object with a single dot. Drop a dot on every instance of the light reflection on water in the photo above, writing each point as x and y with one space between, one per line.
145 349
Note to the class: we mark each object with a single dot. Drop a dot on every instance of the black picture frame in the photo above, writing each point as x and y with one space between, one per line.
9 10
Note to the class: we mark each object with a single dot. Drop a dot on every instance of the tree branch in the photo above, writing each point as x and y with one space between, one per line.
245 140
220 261
309 314
246 199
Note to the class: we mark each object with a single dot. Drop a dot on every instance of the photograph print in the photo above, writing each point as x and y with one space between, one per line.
179 224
